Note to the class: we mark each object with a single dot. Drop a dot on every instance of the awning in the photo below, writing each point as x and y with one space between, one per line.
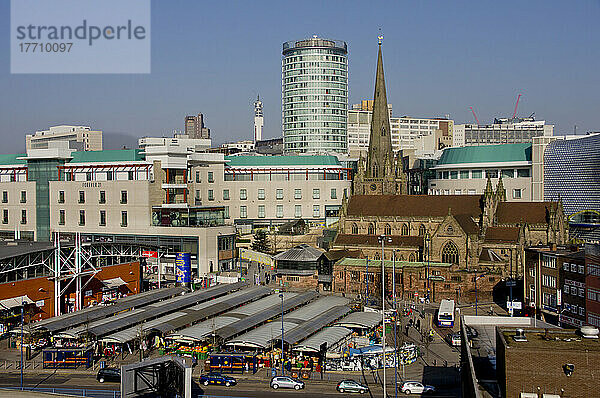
113 283
13 302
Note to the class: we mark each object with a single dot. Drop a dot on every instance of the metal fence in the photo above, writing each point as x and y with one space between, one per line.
76 392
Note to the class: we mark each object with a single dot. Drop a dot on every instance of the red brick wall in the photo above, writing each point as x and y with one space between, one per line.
129 272
36 289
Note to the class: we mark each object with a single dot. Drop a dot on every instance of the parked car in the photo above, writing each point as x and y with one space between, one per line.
414 387
471 332
351 386
109 374
454 339
286 382
217 378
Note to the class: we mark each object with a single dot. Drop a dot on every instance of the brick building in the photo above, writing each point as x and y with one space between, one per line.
550 361
360 276
297 268
592 281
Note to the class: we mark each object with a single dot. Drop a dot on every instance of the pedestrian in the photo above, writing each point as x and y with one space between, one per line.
419 325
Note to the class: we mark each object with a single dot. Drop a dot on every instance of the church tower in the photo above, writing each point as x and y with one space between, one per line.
379 174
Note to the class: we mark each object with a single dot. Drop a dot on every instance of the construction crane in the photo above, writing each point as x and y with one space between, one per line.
516 106
474 115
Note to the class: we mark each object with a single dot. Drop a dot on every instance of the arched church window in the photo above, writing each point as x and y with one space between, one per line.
411 258
388 229
354 229
371 229
405 229
450 253
422 230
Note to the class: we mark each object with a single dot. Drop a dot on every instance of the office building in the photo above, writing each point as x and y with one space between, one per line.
314 96
502 131
422 134
238 146
194 127
191 144
79 138
258 120
465 171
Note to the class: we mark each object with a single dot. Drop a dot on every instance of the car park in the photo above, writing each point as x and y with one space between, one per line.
217 378
286 382
351 386
109 374
414 387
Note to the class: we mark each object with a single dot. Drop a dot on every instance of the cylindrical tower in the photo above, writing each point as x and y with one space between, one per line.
314 87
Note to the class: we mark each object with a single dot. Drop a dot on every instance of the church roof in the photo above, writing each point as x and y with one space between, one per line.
467 224
521 212
372 240
413 205
502 234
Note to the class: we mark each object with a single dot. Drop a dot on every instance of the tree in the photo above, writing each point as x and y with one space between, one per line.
261 241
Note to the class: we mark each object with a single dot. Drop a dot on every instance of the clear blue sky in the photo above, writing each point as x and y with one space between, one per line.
440 58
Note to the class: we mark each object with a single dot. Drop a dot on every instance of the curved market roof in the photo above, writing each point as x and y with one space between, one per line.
331 335
362 320
486 154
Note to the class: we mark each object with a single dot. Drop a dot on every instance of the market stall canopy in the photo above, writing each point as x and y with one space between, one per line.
113 283
13 302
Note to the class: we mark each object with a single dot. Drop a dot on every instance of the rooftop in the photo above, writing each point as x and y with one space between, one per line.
486 154
283 160
302 252
551 339
13 159
373 240
413 205
362 262
115 155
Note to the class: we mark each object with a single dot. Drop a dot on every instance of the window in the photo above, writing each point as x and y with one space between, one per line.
517 193
226 194
371 229
130 175
102 199
464 174
573 267
491 173
81 217
123 218
243 194
454 175
582 311
388 229
197 177
333 193
458 191
523 173
450 253
354 229
476 174
211 176
279 211
4 196
581 269
581 292
261 194
5 216
573 290
243 212
226 213
316 211
316 193
102 222
566 266
109 176
61 217
298 211
566 289
123 197
279 194
471 192
405 229
61 196
261 211
81 197
88 176
198 195
508 173
211 194
422 230
297 193
23 216
23 196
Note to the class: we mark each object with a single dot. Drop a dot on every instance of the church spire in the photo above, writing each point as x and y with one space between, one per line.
380 142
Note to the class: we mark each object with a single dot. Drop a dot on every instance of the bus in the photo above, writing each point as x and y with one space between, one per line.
445 316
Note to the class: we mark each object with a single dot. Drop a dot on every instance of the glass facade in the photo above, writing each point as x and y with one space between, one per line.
42 171
315 96
571 173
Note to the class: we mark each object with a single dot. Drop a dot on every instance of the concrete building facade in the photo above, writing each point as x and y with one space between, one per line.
80 138
502 131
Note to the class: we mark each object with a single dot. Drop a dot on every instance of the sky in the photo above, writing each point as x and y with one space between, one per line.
215 57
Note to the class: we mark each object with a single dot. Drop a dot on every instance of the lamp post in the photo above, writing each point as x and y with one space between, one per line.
382 240
395 323
427 248
281 296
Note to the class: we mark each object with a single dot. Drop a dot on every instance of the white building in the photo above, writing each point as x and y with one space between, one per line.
502 131
81 138
422 134
258 120
191 144
239 146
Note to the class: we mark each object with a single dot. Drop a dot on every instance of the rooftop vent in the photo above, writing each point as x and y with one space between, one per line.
520 335
589 332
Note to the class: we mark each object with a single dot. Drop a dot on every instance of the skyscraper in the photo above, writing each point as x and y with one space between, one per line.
194 127
258 119
314 96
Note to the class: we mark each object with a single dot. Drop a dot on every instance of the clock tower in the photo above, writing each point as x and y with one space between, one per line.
381 172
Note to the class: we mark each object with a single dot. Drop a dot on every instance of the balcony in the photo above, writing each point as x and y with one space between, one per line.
174 185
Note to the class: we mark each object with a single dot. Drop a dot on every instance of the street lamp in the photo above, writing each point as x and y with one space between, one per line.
382 239
427 251
281 296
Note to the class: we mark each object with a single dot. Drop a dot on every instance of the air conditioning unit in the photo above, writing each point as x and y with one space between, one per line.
520 336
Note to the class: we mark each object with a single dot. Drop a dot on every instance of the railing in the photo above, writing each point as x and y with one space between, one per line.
77 392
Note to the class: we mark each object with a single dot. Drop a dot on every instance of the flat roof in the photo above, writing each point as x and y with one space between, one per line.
281 160
18 248
554 340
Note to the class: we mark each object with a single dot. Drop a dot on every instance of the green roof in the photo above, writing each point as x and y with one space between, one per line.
291 160
362 262
12 159
486 154
116 155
